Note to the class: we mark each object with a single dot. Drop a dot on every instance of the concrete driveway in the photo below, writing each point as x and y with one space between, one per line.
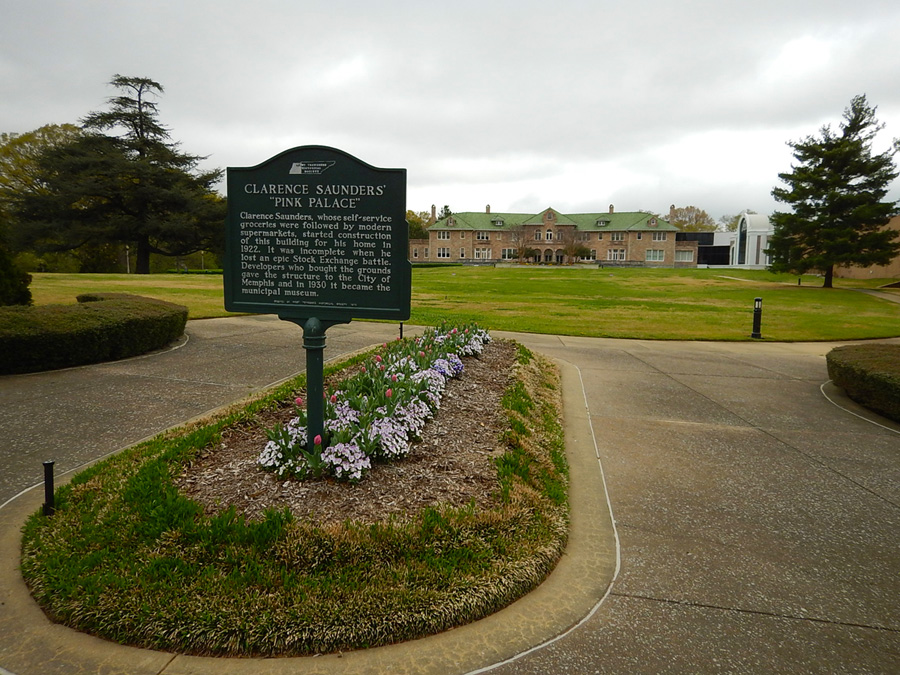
759 523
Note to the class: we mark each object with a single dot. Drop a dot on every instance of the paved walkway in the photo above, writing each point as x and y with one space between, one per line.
756 522
759 524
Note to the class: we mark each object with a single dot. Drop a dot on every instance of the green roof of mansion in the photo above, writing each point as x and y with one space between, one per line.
480 220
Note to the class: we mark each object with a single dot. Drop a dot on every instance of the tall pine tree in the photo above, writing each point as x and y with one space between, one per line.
836 191
125 182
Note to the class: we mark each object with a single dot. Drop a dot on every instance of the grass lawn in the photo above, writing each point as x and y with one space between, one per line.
626 303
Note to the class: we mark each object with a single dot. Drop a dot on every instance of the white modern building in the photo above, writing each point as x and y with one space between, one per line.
748 244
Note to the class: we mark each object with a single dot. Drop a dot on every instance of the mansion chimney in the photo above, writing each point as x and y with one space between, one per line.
612 209
433 214
487 209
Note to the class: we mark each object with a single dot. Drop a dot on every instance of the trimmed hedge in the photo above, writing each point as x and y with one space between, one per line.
101 327
870 374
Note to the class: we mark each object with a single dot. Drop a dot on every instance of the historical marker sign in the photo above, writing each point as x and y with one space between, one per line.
315 232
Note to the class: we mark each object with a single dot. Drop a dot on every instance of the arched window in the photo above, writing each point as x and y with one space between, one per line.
549 235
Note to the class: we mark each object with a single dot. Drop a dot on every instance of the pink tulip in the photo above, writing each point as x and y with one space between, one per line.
421 353
317 440
363 368
378 358
389 393
393 378
298 401
334 398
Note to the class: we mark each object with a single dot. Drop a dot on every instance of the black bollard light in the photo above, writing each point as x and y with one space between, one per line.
757 318
401 330
49 502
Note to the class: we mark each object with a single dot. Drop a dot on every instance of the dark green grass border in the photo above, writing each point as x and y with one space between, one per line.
128 558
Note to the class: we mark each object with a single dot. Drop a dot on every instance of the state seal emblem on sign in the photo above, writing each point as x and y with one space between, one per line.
311 167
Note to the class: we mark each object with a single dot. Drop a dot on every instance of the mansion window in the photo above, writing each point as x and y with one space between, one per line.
443 252
640 235
583 236
482 236
426 252
549 235
508 254
655 254
615 254
415 253
482 254
684 256
462 253
659 236
443 235
592 256
537 235
617 236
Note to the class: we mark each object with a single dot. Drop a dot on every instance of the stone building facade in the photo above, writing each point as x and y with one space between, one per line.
551 237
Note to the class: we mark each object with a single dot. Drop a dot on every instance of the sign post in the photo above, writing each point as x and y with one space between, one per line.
319 238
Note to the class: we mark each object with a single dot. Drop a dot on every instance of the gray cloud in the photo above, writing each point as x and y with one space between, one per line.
518 104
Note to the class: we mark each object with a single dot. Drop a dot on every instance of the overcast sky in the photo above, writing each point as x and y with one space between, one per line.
516 104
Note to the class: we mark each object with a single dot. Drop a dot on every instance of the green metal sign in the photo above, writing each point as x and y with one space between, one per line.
315 232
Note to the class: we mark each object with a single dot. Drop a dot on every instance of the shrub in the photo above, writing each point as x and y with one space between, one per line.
870 374
101 327
13 281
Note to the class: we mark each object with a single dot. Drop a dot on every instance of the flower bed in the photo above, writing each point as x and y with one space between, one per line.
377 413
130 556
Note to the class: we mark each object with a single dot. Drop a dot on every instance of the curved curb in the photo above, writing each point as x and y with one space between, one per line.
30 643
838 397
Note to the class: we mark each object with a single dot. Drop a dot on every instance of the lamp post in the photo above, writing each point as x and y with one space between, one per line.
757 318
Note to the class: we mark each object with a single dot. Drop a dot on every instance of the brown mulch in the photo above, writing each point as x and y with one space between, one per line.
451 465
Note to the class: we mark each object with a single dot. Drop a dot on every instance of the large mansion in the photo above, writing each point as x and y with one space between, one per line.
554 237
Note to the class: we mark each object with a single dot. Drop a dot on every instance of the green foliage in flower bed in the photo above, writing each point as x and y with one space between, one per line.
870 374
375 414
127 557
101 327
